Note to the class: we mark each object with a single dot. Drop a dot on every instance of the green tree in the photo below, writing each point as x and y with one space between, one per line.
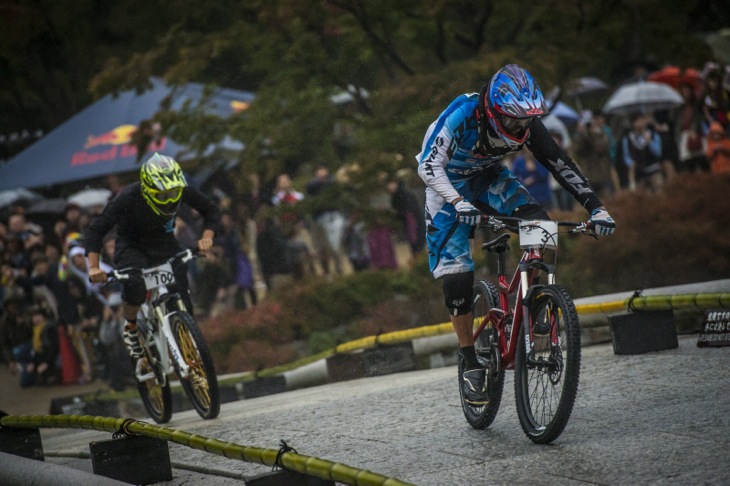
401 61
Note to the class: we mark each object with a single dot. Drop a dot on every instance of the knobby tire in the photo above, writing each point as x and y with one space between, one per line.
201 384
157 398
545 395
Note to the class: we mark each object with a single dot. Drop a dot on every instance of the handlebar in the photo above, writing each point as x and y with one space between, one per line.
511 223
129 273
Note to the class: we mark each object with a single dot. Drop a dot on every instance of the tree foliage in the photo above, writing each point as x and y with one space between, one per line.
400 61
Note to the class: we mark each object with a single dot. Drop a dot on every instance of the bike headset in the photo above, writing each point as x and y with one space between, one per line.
506 107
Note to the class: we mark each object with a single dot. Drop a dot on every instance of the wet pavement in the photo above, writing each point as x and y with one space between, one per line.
655 418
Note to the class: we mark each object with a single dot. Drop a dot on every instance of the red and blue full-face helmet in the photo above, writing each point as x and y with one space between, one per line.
510 102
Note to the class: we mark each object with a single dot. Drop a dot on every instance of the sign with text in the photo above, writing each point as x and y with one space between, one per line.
715 329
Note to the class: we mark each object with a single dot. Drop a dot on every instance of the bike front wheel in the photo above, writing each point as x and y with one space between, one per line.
201 382
486 297
546 376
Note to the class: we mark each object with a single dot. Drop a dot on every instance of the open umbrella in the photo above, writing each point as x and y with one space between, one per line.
642 97
565 113
20 195
90 197
675 76
584 85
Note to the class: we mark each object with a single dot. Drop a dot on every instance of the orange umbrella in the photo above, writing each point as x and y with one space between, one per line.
675 76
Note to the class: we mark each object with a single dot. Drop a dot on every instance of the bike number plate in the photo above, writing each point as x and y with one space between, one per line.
538 234
158 276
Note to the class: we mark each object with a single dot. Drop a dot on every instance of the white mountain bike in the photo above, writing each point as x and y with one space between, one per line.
172 343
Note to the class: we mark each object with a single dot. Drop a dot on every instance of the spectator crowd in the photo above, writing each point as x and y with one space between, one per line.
642 150
56 327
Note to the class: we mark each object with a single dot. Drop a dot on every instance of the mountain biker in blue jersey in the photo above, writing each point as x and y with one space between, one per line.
460 162
144 215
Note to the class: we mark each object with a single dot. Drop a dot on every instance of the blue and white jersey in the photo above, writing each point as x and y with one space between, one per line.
449 157
452 166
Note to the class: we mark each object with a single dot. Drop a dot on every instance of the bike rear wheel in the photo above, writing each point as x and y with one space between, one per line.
156 396
546 378
201 383
486 346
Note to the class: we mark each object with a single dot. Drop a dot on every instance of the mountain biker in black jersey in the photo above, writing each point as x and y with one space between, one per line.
460 164
144 215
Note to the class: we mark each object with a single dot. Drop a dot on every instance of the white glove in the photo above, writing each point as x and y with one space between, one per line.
466 213
603 223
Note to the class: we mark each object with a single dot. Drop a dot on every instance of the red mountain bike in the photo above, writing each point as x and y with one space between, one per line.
538 336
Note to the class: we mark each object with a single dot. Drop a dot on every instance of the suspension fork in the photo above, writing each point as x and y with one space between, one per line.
166 330
529 268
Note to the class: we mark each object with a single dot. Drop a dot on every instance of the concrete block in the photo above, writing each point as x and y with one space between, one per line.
22 442
134 460
643 332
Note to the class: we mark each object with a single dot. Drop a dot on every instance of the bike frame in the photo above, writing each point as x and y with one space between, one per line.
525 276
156 326
162 336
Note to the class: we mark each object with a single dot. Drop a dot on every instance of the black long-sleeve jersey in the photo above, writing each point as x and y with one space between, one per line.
138 226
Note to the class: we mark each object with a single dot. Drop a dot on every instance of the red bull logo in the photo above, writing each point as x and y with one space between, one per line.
119 136
118 146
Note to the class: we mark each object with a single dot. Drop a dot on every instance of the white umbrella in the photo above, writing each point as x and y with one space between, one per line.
12 196
585 85
90 197
642 97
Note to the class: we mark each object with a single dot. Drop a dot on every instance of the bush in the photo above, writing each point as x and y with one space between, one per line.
678 236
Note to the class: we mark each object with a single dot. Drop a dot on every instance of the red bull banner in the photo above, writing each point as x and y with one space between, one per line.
112 145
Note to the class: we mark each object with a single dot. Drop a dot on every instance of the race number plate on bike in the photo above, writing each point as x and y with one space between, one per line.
158 276
538 234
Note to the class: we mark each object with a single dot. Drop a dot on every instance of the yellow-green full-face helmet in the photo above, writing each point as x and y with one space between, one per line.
162 183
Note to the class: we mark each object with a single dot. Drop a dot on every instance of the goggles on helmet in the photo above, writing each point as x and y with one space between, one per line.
516 127
168 196
514 131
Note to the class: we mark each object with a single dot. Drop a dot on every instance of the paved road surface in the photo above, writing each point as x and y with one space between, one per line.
657 418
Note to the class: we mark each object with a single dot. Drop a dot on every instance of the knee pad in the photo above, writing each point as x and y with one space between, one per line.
530 211
459 291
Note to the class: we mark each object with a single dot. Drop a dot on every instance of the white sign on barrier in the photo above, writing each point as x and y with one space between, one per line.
715 329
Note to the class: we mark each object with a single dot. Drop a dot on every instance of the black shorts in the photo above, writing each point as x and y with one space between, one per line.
133 290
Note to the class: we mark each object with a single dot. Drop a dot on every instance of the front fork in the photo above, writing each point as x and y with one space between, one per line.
527 277
166 329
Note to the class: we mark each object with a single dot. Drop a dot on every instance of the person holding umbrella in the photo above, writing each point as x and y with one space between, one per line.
641 151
